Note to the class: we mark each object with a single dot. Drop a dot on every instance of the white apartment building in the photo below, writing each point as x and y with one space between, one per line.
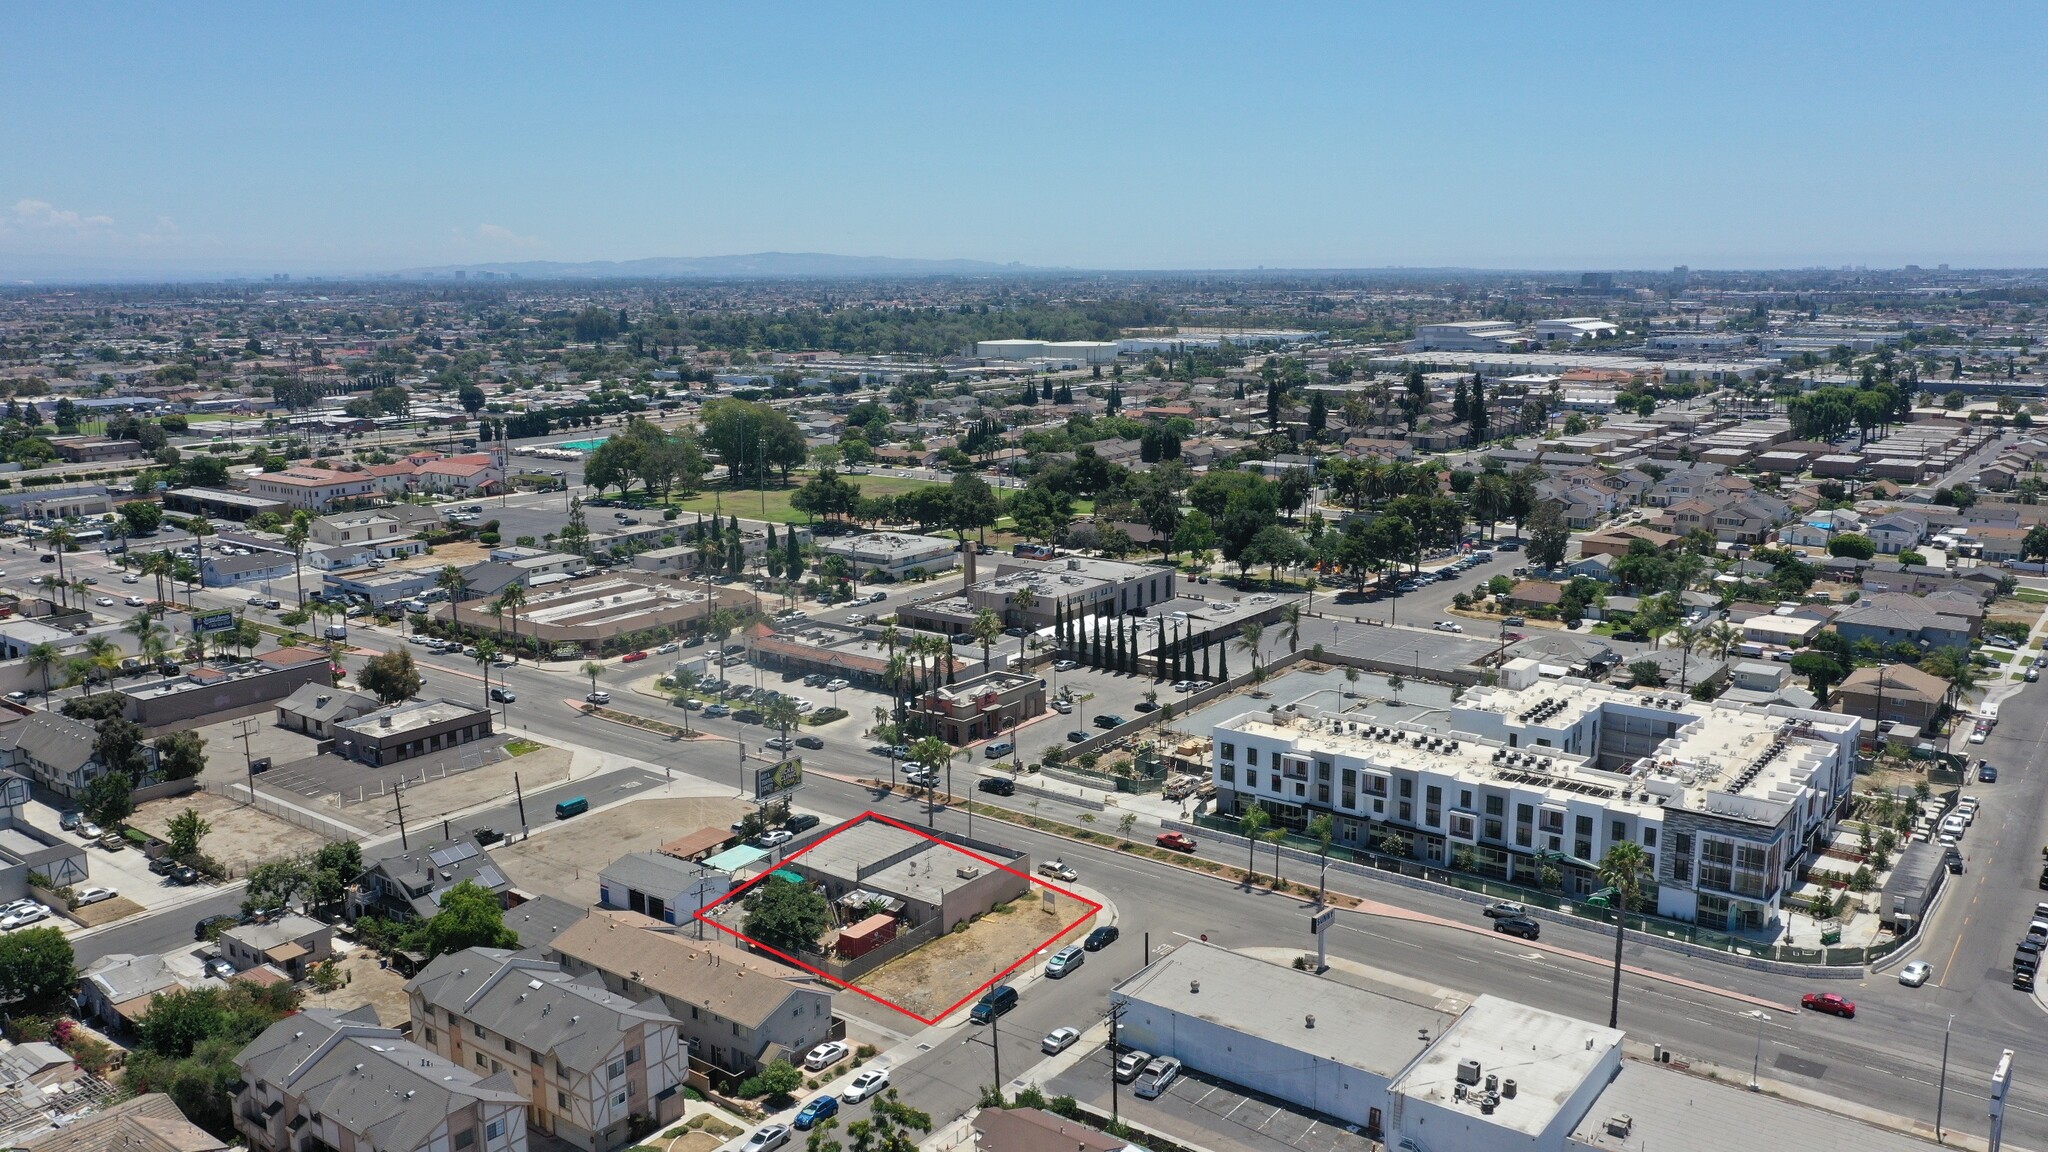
379 532
893 554
1728 801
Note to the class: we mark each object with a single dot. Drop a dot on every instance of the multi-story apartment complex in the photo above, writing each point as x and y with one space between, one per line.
586 1060
1728 802
325 1081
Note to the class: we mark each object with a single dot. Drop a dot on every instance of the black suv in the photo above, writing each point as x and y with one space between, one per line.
1521 926
802 822
205 927
998 785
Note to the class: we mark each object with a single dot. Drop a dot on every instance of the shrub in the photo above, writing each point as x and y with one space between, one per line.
826 716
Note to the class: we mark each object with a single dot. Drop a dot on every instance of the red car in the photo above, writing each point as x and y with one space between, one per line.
1178 841
630 657
1830 1002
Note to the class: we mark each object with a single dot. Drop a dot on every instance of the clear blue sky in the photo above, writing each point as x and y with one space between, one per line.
358 136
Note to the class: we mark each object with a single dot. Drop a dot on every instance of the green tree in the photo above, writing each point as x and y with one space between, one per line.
108 799
786 915
777 1083
392 677
1821 672
185 831
986 630
1548 534
180 755
470 917
37 970
1854 545
1625 868
1251 824
41 660
592 669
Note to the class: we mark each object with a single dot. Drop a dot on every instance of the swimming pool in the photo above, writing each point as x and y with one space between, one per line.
583 445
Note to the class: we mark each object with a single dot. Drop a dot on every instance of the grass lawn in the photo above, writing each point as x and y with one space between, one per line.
747 502
2030 595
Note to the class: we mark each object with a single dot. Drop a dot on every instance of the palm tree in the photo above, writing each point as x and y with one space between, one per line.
103 656
1723 637
593 669
986 630
1625 867
782 713
60 539
486 651
512 599
200 528
1024 601
1250 825
452 582
1290 620
295 538
149 635
44 658
686 683
1324 829
1249 637
160 565
1687 638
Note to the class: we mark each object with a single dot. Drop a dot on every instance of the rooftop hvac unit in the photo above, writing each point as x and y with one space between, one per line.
1468 1071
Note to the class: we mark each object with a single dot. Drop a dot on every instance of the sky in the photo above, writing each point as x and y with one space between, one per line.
198 139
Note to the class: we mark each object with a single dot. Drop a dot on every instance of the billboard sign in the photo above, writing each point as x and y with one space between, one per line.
214 622
776 779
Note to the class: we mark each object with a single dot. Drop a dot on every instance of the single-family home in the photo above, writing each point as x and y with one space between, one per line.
1893 693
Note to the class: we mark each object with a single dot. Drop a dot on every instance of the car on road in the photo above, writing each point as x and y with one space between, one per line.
92 895
1063 707
998 785
208 924
997 750
599 697
136 601
1915 974
104 601
1065 665
823 1107
1076 736
1130 1064
504 695
1448 626
633 658
668 647
1979 734
1521 926
1058 1040
1986 774
130 578
716 710
1505 908
1832 1003
811 742
773 839
779 743
865 1085
1065 960
1177 841
1101 938
767 1138
826 1055
1159 1076
1108 720
1058 869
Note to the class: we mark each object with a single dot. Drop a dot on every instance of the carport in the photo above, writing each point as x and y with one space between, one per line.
732 860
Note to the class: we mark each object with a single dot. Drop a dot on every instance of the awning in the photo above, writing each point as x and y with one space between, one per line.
285 953
734 859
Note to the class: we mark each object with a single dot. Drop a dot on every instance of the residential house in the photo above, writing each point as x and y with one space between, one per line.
292 943
150 1122
1616 541
51 749
1694 482
1535 594
1888 626
116 990
381 533
408 886
316 709
320 1079
1896 532
1599 566
2000 545
1765 682
738 1010
594 1065
1893 694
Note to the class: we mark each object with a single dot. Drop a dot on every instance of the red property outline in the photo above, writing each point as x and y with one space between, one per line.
1092 907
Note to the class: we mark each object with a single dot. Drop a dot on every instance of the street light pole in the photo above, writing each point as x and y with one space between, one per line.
1756 1062
1941 1093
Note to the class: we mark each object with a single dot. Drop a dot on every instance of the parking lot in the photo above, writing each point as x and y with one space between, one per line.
126 871
1200 1110
354 781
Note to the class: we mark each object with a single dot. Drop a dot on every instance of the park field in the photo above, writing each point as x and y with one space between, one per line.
754 504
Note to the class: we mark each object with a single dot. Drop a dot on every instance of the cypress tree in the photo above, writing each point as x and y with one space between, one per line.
1223 663
793 564
1205 661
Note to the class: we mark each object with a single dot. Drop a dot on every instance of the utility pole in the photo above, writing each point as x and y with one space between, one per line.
1941 1092
995 1047
398 794
248 725
521 795
1116 1015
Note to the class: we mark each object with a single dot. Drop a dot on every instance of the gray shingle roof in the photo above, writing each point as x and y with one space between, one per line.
534 1000
651 872
58 741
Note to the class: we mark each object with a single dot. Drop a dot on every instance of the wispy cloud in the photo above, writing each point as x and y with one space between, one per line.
496 236
41 216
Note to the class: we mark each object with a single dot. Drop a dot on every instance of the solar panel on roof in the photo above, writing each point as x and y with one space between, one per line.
453 854
489 876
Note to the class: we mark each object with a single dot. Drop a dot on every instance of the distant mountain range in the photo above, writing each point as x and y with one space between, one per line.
764 265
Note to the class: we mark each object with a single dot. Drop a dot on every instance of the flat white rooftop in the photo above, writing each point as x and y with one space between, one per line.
1548 1056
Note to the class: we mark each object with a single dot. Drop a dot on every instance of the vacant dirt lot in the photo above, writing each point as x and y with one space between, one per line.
241 836
363 982
945 971
564 860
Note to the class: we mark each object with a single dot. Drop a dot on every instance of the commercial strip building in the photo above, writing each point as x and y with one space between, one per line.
614 612
409 729
892 555
921 879
224 687
1068 585
340 1080
591 1062
979 706
1727 801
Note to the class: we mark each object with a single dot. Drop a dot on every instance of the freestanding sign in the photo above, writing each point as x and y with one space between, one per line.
214 622
776 779
1319 925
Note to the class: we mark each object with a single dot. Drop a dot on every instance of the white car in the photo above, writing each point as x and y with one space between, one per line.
866 1084
1063 707
1977 737
599 697
837 685
104 601
826 1055
92 895
1058 1040
1449 626
136 601
767 1138
21 916
130 578
774 839
1915 974
1065 665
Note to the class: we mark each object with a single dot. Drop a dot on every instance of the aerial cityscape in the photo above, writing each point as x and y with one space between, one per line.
710 580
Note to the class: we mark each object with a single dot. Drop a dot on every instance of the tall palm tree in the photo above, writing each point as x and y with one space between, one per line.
200 528
1290 620
1249 637
1723 637
1625 867
593 669
43 658
486 651
60 539
1687 638
512 599
986 630
295 538
159 564
1251 825
1024 601
102 656
149 635
452 582
896 674
781 712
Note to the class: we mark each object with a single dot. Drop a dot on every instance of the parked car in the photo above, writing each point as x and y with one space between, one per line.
184 875
1065 665
1058 1040
22 915
1108 720
1521 926
87 830
112 842
1832 1003
164 865
1130 1064
1064 961
1075 736
865 1085
767 1138
1062 706
1159 1076
208 924
92 895
818 1109
775 838
69 820
839 685
826 1055
1915 974
1178 841
1101 938
800 823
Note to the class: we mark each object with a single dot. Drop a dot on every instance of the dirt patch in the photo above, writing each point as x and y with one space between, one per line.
699 1141
105 912
365 981
943 972
564 861
242 836
2015 612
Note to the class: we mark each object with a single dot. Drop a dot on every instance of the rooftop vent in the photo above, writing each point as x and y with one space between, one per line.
1620 1125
